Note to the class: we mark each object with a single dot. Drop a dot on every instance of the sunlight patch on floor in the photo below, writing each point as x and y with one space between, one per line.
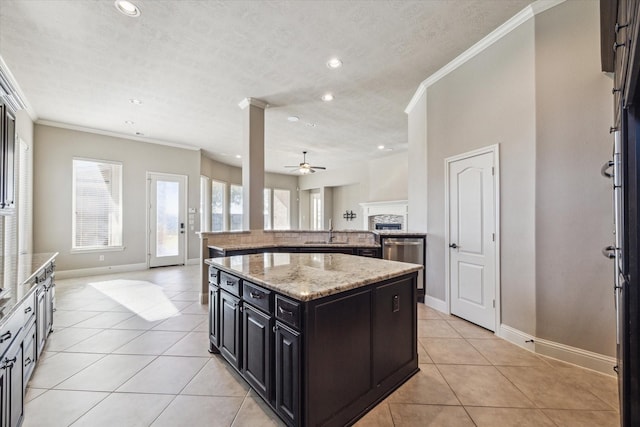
145 299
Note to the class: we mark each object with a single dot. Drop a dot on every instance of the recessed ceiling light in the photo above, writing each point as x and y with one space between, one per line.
293 118
135 101
139 133
238 156
327 97
127 8
129 122
334 63
380 147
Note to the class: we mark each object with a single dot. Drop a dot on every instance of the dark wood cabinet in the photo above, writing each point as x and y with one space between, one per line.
214 324
287 373
369 252
257 338
7 158
14 380
230 328
44 315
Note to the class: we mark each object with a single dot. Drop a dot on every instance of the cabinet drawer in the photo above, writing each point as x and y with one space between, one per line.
230 283
30 353
213 275
10 330
257 296
288 311
29 310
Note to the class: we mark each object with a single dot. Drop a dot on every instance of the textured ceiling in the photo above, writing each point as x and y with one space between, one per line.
79 62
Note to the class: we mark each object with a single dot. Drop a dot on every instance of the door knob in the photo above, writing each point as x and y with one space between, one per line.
453 245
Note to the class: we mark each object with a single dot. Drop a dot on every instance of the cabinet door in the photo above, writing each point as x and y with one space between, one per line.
214 322
4 399
256 349
15 386
287 384
230 328
41 318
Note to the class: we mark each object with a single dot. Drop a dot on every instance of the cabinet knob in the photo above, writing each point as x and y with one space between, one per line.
5 336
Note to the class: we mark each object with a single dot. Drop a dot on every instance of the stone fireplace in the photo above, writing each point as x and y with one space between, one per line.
390 215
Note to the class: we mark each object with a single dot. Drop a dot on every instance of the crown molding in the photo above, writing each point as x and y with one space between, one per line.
253 101
518 19
11 92
116 134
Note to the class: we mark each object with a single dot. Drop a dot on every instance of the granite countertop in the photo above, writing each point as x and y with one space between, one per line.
17 279
398 233
318 244
305 277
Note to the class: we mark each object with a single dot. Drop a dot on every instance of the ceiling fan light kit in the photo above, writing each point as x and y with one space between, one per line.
305 168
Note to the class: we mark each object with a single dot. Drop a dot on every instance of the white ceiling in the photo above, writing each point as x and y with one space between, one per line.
79 62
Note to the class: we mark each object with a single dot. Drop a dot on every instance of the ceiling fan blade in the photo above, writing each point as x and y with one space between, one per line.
318 167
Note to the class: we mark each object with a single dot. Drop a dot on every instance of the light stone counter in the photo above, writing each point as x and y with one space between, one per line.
306 277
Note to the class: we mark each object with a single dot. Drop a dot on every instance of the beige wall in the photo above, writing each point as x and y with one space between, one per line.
537 92
54 150
573 202
417 167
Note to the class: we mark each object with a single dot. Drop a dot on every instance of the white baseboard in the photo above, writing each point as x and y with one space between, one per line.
436 303
565 353
96 271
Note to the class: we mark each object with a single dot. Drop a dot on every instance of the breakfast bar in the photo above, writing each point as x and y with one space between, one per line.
321 337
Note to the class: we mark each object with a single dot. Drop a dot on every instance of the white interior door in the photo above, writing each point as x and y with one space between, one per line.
167 228
472 247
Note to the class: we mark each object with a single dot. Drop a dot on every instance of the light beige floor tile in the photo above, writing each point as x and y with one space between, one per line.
202 327
483 386
31 393
151 342
425 312
380 416
73 303
54 369
426 387
166 374
106 305
194 344
469 330
547 388
603 386
429 416
436 329
196 308
104 320
503 353
62 339
59 407
105 341
137 322
508 417
186 296
255 413
455 351
423 357
107 374
195 411
183 322
573 418
125 409
217 378
65 318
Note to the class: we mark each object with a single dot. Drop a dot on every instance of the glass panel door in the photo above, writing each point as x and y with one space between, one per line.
166 219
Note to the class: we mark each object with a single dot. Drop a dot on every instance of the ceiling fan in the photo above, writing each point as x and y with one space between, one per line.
305 168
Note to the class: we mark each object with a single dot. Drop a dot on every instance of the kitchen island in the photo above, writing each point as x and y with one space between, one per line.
322 338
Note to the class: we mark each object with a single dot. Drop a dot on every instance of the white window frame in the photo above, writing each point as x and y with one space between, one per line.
225 205
116 236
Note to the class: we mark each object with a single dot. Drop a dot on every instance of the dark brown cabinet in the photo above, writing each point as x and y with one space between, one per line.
7 158
257 338
44 315
14 385
230 328
214 326
287 373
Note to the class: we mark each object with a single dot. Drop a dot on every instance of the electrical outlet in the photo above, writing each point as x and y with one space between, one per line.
101 258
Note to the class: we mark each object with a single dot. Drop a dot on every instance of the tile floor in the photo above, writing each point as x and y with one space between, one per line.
105 365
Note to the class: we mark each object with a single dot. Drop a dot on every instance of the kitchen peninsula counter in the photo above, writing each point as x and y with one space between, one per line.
322 338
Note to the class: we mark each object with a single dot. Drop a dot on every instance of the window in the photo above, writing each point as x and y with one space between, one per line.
218 205
97 204
267 209
281 209
316 212
235 207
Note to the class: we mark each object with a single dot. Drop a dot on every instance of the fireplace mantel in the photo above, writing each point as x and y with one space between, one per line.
394 207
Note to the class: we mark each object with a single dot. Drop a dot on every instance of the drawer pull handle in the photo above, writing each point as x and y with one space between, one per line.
283 311
230 283
27 361
28 310
255 295
5 336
